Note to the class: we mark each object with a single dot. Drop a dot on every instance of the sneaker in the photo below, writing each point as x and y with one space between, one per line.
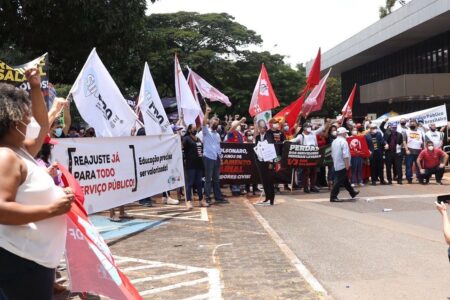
361 184
314 190
353 185
335 200
263 203
170 201
355 194
203 203
189 204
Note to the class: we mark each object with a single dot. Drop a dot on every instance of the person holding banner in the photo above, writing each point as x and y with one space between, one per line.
437 137
32 222
193 150
340 152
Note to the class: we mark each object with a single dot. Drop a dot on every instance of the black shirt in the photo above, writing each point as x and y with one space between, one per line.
193 151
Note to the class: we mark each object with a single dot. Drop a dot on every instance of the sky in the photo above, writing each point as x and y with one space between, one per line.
294 28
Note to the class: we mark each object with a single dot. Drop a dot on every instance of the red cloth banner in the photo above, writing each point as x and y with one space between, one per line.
263 97
358 146
91 266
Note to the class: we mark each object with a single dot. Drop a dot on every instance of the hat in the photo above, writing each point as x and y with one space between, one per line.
373 126
341 130
48 140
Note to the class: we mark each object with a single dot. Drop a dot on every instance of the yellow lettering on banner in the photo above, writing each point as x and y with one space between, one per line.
9 76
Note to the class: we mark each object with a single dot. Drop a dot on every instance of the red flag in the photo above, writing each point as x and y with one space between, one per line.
91 266
358 146
348 107
263 97
314 73
315 100
291 112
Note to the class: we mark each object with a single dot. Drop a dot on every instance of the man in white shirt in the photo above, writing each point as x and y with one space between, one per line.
413 143
437 137
341 161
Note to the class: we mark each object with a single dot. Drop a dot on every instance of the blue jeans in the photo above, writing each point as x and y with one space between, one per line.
194 179
212 170
357 163
409 161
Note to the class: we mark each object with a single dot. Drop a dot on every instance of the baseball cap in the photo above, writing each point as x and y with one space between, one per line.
341 130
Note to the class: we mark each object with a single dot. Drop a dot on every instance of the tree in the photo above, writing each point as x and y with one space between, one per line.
387 9
68 30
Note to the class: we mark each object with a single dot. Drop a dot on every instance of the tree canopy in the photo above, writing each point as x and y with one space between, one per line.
217 47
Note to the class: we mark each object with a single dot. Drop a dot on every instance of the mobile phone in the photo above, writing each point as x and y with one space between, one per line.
443 198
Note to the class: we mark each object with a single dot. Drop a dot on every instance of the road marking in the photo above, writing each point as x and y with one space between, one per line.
372 198
174 286
198 297
212 277
171 212
217 247
301 268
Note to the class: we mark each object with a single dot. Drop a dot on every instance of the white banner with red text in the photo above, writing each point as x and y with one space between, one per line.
120 170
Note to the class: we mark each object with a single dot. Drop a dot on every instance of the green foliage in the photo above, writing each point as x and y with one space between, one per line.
387 9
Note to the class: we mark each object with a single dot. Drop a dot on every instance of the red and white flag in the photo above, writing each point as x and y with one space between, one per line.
315 100
314 74
188 108
263 97
348 107
206 90
91 266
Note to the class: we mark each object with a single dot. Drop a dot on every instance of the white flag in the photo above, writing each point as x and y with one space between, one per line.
100 101
155 118
207 90
188 108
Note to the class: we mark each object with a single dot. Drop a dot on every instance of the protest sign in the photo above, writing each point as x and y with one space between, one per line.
305 156
116 171
437 115
15 75
238 164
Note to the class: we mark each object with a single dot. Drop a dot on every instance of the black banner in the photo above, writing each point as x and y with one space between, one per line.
295 156
238 164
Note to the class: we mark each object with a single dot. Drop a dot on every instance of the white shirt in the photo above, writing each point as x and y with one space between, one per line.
414 139
436 137
44 241
339 151
308 139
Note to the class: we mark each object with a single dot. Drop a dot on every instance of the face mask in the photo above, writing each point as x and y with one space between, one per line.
238 128
276 126
394 129
286 128
214 127
33 129
360 129
193 132
354 132
334 133
373 131
430 148
250 138
183 131
433 129
307 129
412 127
58 132
403 123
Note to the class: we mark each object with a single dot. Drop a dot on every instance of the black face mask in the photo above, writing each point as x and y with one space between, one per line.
403 123
214 127
433 129
412 127
194 132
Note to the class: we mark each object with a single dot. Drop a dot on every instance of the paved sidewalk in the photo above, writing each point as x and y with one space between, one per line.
227 255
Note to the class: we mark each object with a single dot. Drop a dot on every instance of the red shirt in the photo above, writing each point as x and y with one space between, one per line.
431 159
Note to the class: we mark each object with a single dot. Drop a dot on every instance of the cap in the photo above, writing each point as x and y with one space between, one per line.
341 130
373 126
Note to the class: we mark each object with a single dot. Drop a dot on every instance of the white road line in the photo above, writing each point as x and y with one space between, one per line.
198 297
374 197
166 217
143 267
215 249
204 214
301 268
174 286
164 276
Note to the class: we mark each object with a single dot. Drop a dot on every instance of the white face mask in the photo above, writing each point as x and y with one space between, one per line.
354 132
334 133
430 148
275 126
58 132
33 129
250 138
373 131
238 128
307 129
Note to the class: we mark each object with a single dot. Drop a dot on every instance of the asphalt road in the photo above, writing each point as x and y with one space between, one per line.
357 251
